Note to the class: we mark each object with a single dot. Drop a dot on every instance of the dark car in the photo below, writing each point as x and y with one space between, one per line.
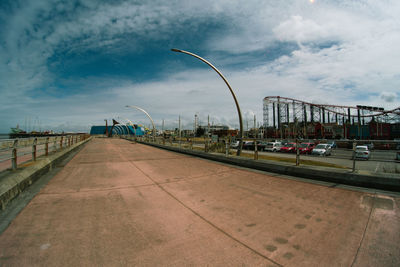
261 146
306 148
248 145
289 147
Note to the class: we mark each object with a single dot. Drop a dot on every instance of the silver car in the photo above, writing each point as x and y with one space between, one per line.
273 146
322 150
362 152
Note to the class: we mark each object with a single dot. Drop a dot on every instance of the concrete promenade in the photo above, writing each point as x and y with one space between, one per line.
117 203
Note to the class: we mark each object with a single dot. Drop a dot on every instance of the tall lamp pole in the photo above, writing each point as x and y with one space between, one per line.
230 89
147 114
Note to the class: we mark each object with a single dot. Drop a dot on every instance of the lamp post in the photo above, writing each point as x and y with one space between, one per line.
147 114
230 89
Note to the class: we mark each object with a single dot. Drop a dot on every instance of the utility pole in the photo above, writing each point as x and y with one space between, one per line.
179 130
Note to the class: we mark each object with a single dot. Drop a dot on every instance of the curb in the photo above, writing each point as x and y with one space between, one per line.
382 182
15 182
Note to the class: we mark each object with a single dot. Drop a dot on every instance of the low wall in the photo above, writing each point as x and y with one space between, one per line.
12 183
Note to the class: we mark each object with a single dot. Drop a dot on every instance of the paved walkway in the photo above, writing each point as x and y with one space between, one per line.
122 204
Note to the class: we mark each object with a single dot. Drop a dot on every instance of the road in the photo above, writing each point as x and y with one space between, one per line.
343 158
118 203
382 161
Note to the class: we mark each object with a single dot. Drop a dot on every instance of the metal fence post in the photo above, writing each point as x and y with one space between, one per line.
14 155
226 147
34 149
297 153
255 149
55 144
61 143
354 156
46 147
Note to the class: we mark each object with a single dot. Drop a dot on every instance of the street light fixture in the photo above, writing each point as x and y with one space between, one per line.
148 115
230 89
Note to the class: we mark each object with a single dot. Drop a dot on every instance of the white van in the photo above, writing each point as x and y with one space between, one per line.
273 146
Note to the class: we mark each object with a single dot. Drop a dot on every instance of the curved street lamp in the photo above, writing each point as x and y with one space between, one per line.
230 89
147 114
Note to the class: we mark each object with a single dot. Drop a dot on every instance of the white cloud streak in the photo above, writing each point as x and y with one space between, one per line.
348 52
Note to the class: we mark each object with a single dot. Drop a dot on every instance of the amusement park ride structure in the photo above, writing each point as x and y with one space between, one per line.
285 116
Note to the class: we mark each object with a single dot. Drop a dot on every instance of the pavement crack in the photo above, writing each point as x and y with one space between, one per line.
365 230
98 190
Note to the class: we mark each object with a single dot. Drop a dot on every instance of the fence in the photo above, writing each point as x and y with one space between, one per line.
384 158
14 152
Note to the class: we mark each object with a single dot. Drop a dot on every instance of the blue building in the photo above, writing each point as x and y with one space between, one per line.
121 129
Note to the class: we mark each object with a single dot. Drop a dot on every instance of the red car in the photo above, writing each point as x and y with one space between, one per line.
306 148
289 147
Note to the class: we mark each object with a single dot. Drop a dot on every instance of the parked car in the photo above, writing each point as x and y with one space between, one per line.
370 146
261 146
289 147
248 145
398 156
273 146
306 148
235 144
362 152
332 143
322 150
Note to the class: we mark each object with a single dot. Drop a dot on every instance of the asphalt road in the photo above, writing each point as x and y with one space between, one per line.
122 204
343 158
381 161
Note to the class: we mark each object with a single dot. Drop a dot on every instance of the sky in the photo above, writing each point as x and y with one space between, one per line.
68 65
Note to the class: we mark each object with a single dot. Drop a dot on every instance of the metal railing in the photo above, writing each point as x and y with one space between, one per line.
14 152
383 159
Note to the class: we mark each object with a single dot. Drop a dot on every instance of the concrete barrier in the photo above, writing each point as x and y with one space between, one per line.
12 183
389 182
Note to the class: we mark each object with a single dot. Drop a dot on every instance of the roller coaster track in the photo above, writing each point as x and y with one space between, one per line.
334 108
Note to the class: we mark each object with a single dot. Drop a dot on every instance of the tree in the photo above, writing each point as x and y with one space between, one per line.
200 131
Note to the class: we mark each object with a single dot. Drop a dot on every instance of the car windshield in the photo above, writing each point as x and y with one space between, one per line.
321 146
361 148
304 145
290 145
270 145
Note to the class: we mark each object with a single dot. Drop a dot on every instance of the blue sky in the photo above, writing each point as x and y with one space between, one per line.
67 65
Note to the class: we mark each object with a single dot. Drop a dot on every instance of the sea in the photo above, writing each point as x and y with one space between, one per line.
4 136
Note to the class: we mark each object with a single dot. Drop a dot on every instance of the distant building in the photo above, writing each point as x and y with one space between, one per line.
135 129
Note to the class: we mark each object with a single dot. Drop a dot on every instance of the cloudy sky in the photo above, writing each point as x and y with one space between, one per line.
67 65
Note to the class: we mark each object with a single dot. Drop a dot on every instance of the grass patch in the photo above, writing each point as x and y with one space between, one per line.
221 149
293 160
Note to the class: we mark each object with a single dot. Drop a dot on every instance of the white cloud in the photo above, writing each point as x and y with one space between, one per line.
300 30
358 61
